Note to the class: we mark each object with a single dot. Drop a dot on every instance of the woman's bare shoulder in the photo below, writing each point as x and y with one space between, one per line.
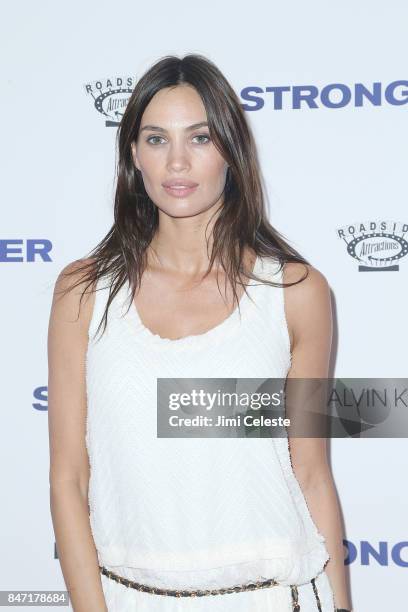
69 287
72 272
308 301
294 271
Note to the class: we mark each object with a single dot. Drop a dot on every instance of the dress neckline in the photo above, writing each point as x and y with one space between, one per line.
224 327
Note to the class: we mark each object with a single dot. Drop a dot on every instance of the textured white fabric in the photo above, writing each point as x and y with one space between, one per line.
192 513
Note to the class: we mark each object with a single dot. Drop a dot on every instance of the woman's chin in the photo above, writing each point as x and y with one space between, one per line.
182 208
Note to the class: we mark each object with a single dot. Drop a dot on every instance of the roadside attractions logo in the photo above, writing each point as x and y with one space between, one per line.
377 246
110 97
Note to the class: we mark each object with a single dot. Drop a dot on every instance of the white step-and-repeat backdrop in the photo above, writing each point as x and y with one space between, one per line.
325 89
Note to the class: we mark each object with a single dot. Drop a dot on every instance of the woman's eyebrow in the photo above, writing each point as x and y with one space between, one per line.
157 128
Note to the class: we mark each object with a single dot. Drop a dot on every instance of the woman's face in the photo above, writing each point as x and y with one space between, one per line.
169 148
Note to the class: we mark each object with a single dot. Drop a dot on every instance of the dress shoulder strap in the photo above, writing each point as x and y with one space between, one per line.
101 299
275 297
270 270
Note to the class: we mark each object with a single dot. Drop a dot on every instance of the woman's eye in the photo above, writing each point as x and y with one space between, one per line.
154 139
203 136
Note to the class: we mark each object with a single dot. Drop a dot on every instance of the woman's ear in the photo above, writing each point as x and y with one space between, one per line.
134 155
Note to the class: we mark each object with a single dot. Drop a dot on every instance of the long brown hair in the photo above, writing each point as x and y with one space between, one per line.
242 221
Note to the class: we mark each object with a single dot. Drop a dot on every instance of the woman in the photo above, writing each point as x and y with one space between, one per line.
174 523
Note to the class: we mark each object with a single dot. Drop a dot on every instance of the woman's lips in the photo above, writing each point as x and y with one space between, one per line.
179 191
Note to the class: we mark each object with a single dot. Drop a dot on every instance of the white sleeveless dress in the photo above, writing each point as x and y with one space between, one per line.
195 513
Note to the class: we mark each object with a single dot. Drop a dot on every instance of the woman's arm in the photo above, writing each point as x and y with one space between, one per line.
309 317
69 465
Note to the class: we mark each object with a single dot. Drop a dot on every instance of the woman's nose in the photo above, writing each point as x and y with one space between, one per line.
178 158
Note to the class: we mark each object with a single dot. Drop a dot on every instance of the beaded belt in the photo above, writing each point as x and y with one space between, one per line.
202 592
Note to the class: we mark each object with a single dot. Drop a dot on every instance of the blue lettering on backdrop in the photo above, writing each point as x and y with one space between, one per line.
325 95
374 96
246 95
41 394
396 554
35 248
278 98
378 553
254 98
389 93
